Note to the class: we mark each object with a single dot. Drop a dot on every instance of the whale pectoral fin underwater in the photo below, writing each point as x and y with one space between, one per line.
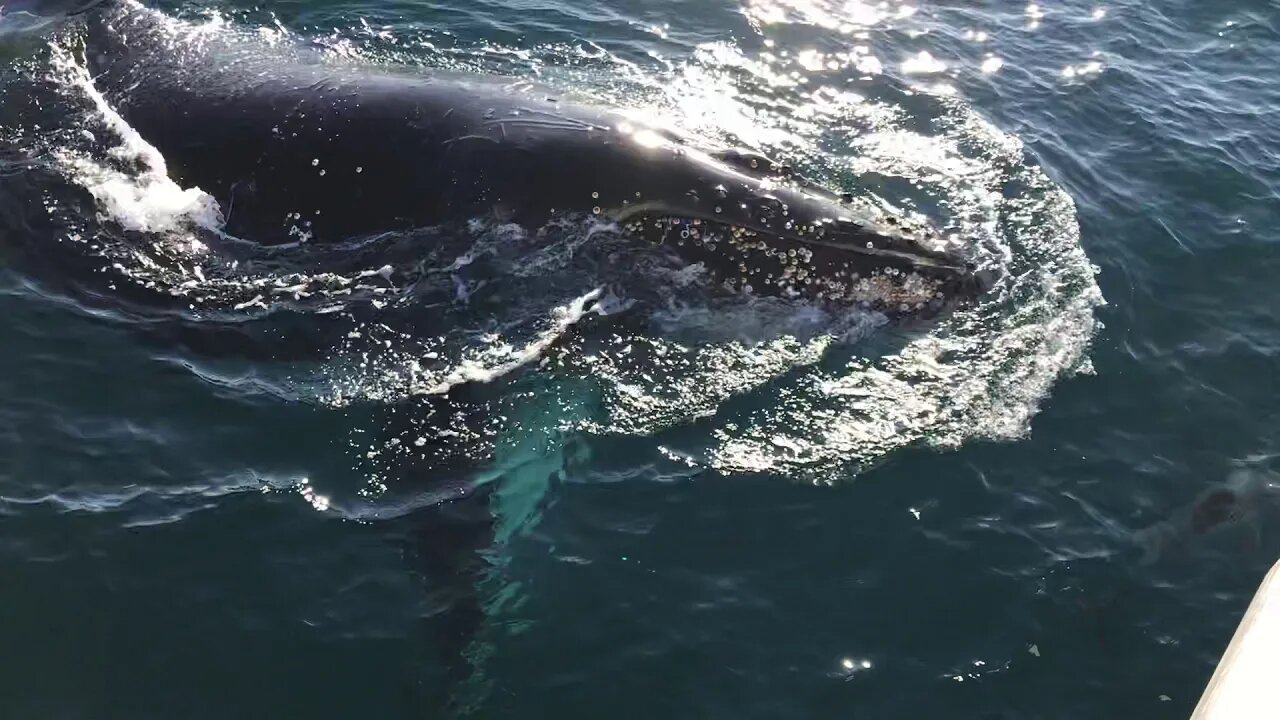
449 541
481 461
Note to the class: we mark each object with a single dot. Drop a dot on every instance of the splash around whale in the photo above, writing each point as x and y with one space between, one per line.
294 148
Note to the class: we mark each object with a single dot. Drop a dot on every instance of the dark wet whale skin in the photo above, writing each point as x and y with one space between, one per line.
294 148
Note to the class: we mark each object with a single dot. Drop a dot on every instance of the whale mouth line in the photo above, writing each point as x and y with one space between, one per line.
920 259
842 235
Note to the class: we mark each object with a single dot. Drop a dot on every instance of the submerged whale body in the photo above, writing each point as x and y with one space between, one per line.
294 148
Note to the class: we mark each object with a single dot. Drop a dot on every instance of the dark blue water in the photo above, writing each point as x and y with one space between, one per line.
733 509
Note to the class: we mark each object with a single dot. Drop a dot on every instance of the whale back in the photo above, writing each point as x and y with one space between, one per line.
296 148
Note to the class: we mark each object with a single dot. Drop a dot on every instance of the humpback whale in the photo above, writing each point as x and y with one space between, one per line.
296 148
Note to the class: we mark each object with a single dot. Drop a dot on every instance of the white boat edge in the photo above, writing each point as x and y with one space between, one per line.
1245 686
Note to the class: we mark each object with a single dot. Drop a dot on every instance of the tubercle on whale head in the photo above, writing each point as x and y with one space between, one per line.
761 209
804 246
745 259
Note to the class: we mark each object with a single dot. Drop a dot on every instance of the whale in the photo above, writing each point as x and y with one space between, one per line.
296 147
299 148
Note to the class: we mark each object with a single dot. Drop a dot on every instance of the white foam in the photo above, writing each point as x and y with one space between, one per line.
757 320
501 359
148 201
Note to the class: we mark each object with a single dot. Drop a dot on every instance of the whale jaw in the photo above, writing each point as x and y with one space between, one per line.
839 266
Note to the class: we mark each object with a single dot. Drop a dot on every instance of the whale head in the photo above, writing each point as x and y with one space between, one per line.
758 236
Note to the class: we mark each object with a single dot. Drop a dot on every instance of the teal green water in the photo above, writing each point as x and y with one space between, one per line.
732 509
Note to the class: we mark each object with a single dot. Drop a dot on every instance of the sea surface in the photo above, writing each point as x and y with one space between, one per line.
219 479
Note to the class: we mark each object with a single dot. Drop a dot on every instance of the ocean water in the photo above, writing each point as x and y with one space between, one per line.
227 488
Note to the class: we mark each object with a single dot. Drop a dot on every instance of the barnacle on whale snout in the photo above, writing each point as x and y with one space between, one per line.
834 261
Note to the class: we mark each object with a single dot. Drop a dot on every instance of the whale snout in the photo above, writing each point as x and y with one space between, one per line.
895 251
841 263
